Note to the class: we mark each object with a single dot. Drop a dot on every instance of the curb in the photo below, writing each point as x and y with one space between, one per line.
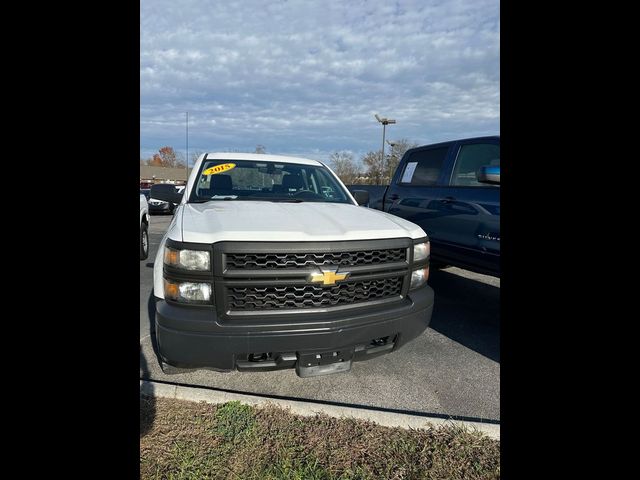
306 408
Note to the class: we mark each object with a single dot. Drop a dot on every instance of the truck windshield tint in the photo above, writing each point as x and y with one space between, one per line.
270 181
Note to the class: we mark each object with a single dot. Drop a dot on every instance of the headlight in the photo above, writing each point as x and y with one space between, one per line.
421 251
419 278
187 259
187 292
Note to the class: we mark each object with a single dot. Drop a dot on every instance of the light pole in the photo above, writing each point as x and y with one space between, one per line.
384 122
187 160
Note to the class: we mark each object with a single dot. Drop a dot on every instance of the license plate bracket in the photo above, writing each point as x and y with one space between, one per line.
311 364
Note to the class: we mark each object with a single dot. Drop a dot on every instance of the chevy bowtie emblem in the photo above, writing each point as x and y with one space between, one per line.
328 277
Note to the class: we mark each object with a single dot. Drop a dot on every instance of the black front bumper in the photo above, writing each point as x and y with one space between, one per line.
194 337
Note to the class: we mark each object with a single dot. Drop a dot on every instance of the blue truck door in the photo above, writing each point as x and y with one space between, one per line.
415 187
470 221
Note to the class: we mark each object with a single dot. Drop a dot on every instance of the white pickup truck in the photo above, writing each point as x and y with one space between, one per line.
144 228
269 262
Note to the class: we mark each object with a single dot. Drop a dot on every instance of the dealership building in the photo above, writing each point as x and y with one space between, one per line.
150 175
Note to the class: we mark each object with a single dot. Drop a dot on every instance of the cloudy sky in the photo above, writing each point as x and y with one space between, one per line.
305 77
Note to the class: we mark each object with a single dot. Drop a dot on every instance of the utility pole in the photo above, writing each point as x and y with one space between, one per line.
187 159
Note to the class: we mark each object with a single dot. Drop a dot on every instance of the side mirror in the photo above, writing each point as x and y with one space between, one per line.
361 196
489 174
165 192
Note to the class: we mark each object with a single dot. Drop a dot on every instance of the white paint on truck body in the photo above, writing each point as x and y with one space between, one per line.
266 221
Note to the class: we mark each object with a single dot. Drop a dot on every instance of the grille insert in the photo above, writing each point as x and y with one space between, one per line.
311 296
253 261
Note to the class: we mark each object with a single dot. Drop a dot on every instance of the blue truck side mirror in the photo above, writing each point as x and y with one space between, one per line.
489 174
361 196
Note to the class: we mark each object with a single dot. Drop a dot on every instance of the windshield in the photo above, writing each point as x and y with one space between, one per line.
271 181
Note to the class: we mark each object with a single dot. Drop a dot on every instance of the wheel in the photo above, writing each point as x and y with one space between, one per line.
144 241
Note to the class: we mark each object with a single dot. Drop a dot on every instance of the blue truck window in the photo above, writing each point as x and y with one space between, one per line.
470 159
428 168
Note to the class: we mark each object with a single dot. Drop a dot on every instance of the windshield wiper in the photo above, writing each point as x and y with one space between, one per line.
271 199
213 199
267 199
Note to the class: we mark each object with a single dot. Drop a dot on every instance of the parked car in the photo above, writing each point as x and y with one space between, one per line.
144 228
452 190
158 206
145 192
269 262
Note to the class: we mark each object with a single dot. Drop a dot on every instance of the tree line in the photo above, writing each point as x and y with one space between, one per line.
165 157
370 169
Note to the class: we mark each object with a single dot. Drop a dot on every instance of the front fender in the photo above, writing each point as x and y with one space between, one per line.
144 217
174 233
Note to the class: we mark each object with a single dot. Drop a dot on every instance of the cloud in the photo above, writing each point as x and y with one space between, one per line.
306 78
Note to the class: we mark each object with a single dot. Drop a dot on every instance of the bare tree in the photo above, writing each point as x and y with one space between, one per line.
375 167
194 156
345 166
180 163
154 161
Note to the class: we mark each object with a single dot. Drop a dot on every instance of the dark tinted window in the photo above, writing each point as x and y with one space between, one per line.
470 159
423 167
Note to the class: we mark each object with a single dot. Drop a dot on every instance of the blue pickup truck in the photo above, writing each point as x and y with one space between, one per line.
452 190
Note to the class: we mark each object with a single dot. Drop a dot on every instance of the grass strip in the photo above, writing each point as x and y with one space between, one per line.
187 440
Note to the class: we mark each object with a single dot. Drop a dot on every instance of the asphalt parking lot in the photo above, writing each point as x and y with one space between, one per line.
452 369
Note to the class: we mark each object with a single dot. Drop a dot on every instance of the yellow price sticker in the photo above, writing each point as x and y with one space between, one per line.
225 167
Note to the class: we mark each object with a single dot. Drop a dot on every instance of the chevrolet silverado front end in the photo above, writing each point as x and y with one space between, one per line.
270 263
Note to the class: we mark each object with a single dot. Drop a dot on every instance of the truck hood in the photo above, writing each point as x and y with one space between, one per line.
277 221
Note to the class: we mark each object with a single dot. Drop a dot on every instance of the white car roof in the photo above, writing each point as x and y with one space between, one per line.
261 157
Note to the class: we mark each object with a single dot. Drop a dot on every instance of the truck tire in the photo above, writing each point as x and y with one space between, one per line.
144 241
